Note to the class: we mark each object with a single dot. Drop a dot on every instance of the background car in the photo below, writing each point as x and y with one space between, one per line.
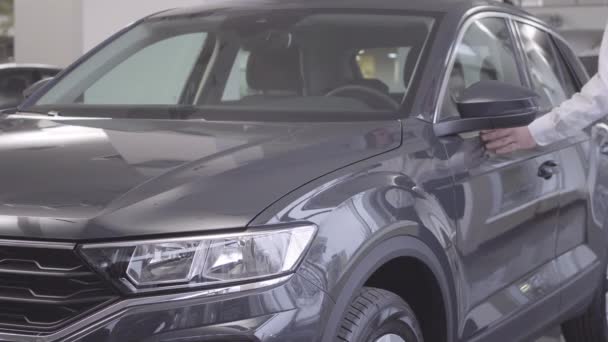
15 78
303 171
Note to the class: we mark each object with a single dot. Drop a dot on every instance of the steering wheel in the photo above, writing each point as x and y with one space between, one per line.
372 97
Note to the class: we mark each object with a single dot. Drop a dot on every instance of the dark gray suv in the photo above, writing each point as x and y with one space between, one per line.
303 171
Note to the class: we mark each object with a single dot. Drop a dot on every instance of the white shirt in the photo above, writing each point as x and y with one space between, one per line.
583 109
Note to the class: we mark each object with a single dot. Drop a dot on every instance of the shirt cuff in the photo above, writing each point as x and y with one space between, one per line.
541 130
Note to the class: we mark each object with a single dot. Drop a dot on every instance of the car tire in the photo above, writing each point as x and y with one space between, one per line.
377 315
592 325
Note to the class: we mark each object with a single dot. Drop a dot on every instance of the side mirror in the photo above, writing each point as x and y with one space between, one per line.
491 105
29 91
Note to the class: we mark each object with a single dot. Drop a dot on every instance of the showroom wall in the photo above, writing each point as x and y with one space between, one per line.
48 31
59 31
102 18
582 25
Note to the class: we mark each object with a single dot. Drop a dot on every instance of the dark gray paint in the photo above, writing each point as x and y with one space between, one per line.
103 179
513 253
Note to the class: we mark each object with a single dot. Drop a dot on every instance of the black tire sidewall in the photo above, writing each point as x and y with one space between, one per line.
592 325
393 326
375 313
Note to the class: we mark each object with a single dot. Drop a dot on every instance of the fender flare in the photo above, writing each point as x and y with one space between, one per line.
419 247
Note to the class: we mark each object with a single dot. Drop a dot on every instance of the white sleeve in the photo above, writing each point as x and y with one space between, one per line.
584 108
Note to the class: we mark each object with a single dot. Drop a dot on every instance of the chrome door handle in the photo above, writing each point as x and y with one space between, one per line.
547 170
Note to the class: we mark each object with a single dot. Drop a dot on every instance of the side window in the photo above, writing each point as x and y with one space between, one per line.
550 76
486 52
237 87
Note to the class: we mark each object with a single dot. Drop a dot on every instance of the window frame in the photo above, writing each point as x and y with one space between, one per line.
568 58
554 38
453 53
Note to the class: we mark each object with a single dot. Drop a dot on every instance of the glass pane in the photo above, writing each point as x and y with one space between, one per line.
485 53
237 87
543 66
154 75
291 60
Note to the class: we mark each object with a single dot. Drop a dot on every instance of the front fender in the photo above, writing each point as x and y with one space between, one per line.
367 215
379 253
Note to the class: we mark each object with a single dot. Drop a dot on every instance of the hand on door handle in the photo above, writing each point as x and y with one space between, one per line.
547 170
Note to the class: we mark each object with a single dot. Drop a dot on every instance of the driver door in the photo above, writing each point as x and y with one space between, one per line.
508 204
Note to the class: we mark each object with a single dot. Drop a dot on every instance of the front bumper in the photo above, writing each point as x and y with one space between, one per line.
285 309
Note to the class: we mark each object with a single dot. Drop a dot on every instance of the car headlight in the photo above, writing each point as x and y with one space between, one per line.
209 260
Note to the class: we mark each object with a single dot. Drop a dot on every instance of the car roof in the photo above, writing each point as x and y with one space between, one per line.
453 7
5 66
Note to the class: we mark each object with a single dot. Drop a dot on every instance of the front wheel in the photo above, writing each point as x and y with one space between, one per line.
377 315
591 326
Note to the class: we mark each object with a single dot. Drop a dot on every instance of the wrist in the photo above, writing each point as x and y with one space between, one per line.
540 129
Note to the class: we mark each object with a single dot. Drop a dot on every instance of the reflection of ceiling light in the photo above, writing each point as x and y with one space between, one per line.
487 31
361 52
466 50
358 58
392 55
529 31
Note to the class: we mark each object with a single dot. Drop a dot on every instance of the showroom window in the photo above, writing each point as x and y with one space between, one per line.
549 75
486 52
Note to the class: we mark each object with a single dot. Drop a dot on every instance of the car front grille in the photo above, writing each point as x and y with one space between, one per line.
44 287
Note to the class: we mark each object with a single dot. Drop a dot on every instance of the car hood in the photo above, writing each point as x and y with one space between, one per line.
87 179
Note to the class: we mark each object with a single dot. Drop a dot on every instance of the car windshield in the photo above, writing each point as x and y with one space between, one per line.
290 61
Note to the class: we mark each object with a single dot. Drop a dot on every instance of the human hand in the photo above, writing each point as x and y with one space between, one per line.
508 140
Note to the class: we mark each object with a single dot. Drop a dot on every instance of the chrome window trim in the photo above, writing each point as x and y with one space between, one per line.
98 319
449 62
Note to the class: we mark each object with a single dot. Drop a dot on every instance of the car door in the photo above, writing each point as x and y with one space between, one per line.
552 76
509 204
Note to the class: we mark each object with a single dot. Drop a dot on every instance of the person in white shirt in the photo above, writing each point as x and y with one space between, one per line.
570 118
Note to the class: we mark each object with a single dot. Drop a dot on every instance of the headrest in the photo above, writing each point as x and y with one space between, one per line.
274 69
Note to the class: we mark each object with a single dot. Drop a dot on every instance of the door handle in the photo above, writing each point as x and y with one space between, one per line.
547 170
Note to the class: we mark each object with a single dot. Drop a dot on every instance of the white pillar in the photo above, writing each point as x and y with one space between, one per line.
59 31
48 31
102 18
